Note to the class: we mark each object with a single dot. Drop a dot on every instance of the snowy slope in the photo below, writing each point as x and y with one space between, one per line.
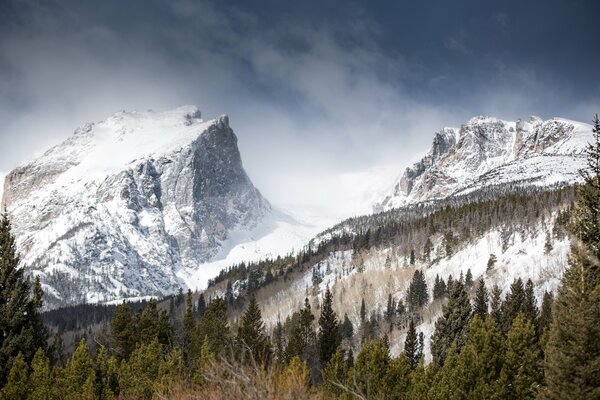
128 206
522 256
488 151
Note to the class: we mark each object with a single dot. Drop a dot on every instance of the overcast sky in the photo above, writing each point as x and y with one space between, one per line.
312 91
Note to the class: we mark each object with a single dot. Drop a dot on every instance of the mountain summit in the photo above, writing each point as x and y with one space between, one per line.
489 152
124 205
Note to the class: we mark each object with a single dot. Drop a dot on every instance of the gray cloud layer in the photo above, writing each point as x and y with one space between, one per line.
309 99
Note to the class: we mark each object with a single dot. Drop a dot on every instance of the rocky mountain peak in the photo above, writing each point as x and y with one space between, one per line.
125 205
490 151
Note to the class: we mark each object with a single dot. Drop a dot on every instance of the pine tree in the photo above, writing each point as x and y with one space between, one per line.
329 338
480 306
545 318
335 373
303 339
214 328
520 374
451 328
496 304
40 381
417 295
513 305
412 257
572 364
363 311
201 306
251 336
16 387
279 342
347 328
469 278
21 328
80 376
139 375
530 310
439 288
122 331
413 348
397 377
427 250
390 308
368 376
107 375
190 342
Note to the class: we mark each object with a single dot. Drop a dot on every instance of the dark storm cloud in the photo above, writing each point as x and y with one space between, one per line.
322 89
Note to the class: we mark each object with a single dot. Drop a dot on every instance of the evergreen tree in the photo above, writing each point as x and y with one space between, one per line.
21 328
413 347
335 373
480 306
417 292
390 308
572 364
302 341
439 288
190 342
530 310
329 338
122 331
40 381
213 327
80 376
347 328
397 378
412 257
451 328
107 375
363 311
368 376
279 342
427 250
469 278
520 374
496 304
16 387
139 375
545 317
201 306
513 305
251 334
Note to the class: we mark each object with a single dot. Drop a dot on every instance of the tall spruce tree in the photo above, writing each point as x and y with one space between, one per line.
520 373
347 328
251 336
330 337
480 305
572 363
21 328
16 387
413 347
451 328
213 327
122 331
417 295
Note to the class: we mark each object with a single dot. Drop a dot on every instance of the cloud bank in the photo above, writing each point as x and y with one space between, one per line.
311 100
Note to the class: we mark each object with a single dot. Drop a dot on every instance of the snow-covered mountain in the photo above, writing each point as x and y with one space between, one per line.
140 204
488 151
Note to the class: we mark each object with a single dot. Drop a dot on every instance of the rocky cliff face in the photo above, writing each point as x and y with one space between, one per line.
489 151
125 205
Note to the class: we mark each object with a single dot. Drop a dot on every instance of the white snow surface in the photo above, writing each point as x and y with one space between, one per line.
522 256
489 151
